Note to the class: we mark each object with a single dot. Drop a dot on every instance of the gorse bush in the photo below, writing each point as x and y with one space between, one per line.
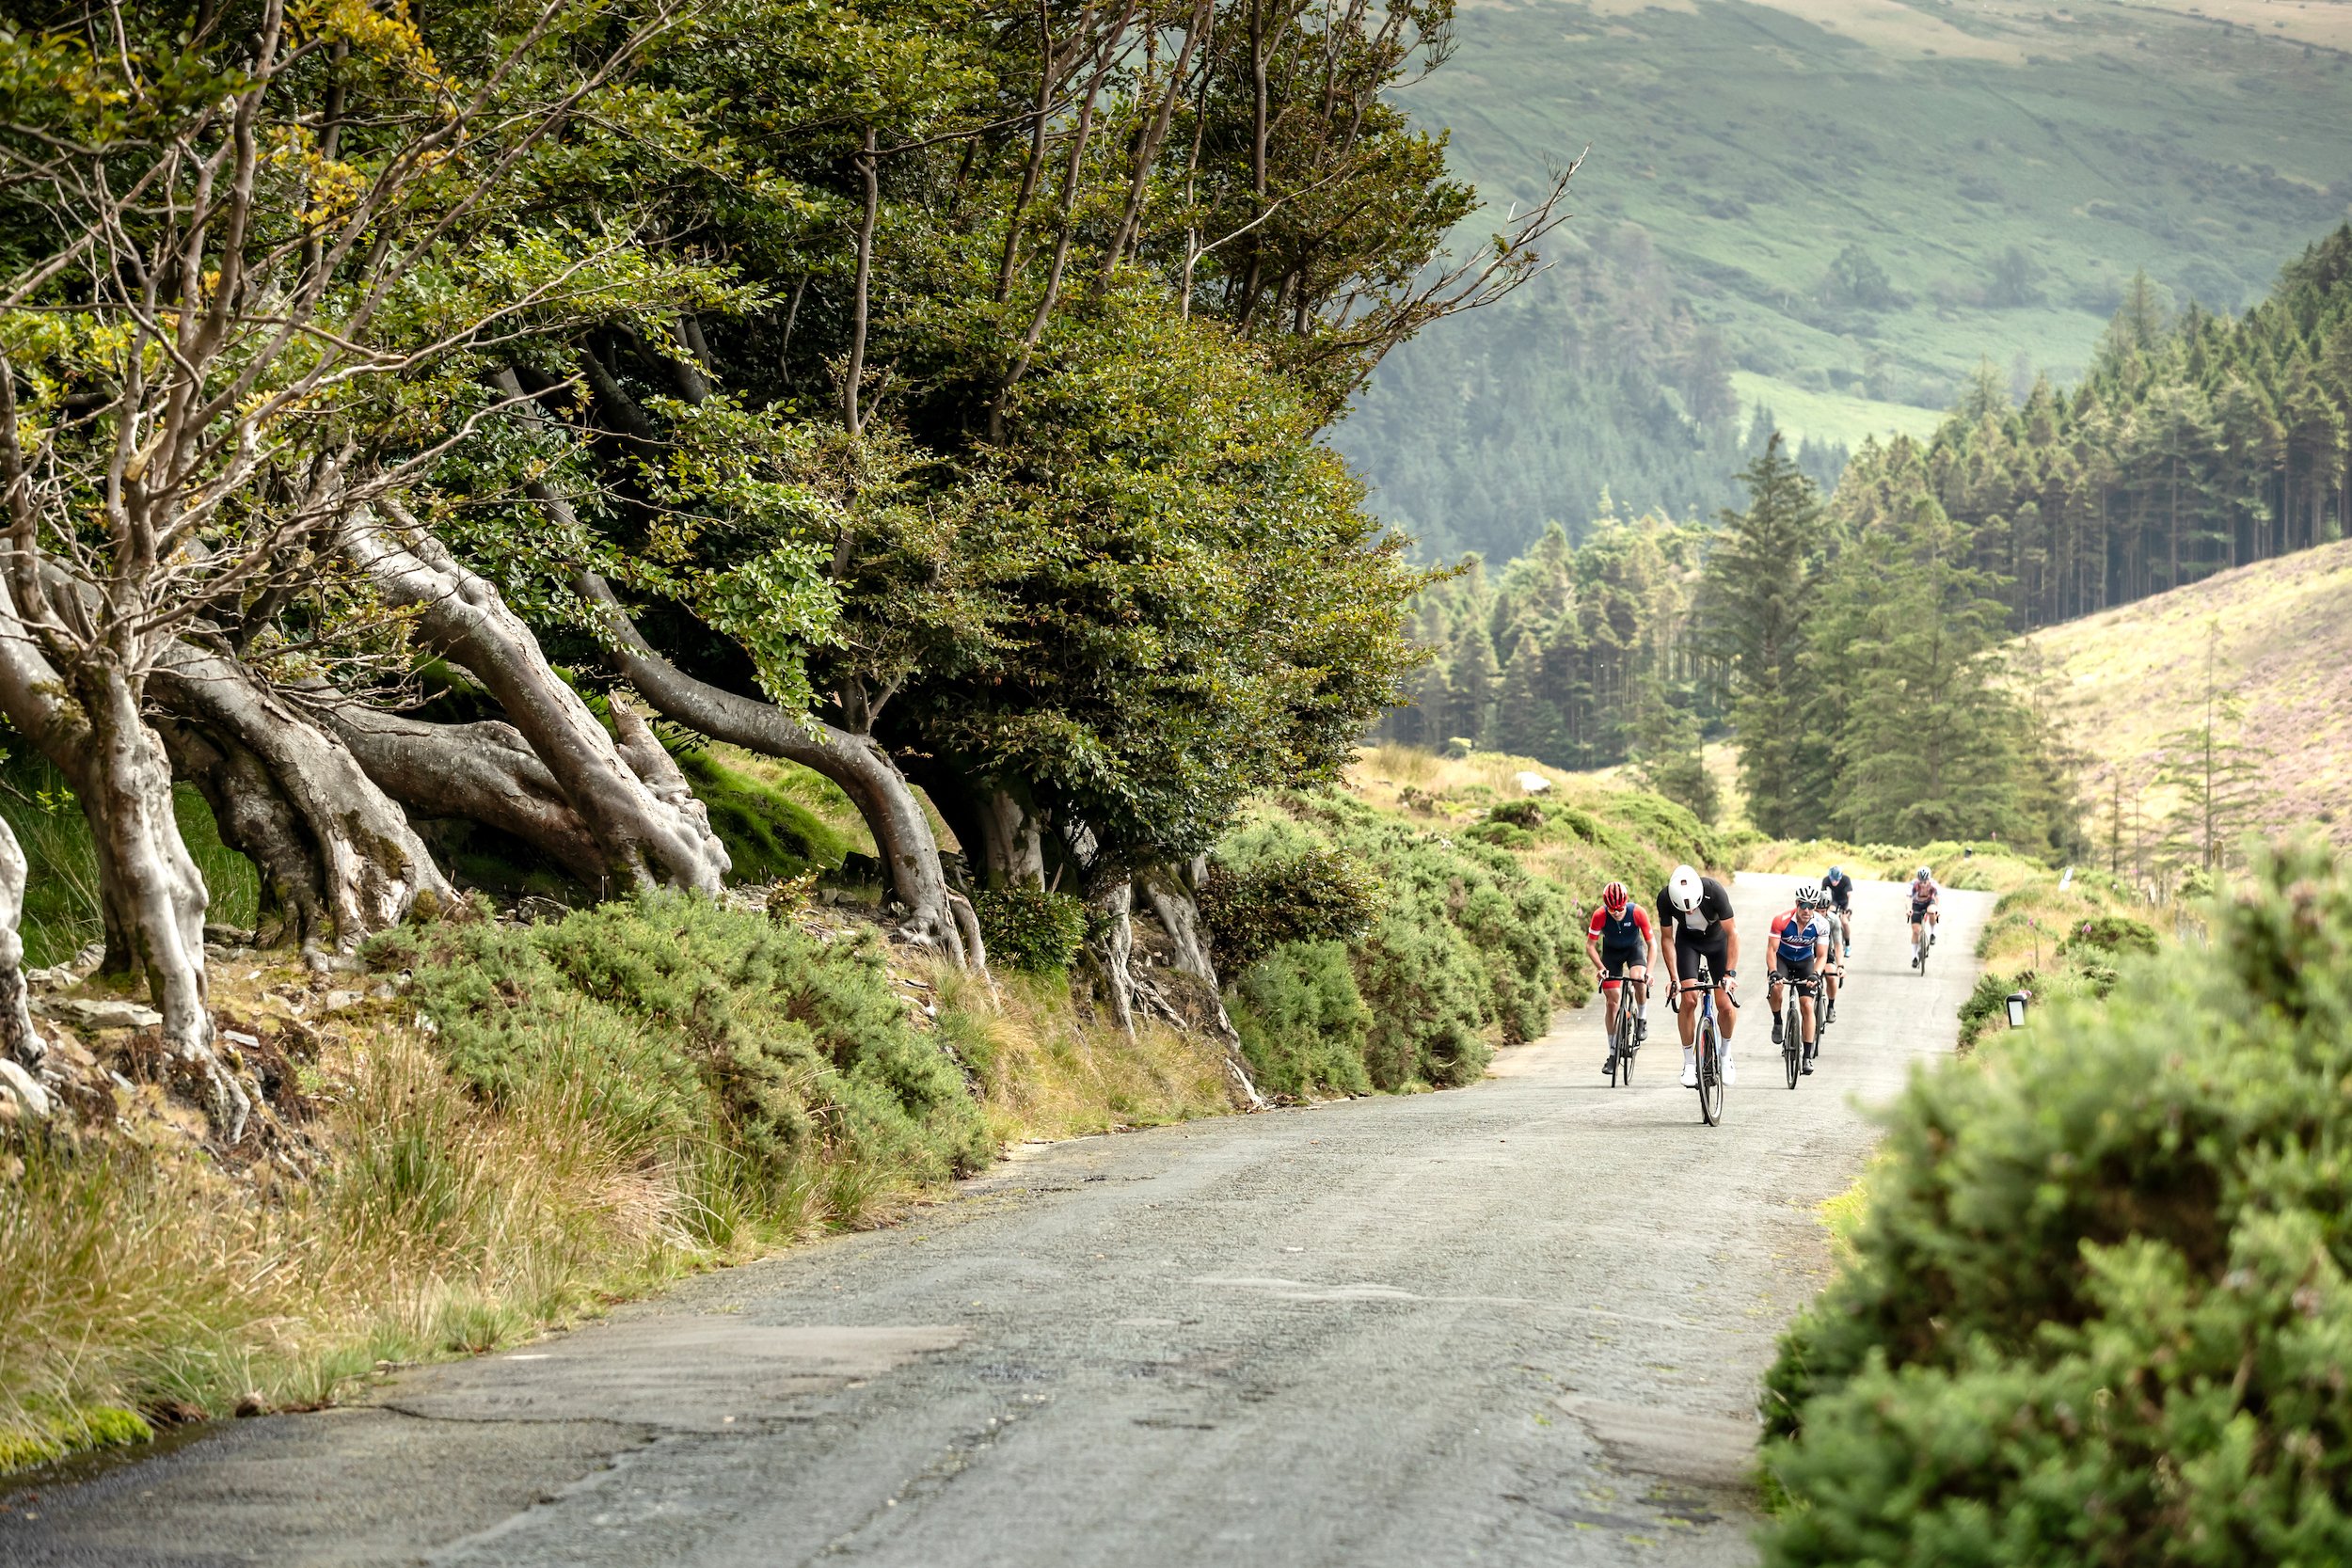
695 1023
1302 1022
1456 946
1273 881
2110 935
2099 1310
1029 928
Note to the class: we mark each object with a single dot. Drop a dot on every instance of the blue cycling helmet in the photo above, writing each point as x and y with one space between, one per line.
1835 872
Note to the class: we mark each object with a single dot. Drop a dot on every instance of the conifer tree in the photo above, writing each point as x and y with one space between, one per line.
1930 745
1759 578
1475 683
2217 771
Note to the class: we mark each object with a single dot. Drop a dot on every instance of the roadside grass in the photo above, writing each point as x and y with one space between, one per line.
1045 1073
549 1119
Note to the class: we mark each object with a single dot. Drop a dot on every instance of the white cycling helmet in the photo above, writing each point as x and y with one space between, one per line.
1808 896
1924 875
1683 889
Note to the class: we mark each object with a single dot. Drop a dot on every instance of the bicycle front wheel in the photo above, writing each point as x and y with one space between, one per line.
1710 1055
1792 1042
1625 1048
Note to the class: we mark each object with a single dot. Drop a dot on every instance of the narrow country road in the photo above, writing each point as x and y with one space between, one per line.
1518 1324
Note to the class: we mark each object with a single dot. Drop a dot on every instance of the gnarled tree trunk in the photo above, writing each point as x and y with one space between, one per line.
336 852
162 897
855 762
18 1042
154 895
647 833
482 772
1114 950
1013 846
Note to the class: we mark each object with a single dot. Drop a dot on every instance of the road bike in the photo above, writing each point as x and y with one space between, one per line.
1708 1040
1625 1041
1792 1029
1920 941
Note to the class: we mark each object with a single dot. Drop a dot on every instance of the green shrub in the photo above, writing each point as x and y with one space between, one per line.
1303 1024
1273 883
2111 935
695 1023
1029 928
1518 813
2101 1303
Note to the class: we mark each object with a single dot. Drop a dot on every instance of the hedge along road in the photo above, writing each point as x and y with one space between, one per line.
1519 1322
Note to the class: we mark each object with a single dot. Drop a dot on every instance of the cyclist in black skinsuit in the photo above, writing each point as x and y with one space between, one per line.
1697 910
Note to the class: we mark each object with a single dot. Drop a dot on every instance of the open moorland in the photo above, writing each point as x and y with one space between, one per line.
2125 679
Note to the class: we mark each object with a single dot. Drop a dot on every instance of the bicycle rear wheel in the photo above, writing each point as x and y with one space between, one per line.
1710 1054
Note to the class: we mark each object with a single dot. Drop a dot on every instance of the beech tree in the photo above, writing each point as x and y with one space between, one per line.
232 308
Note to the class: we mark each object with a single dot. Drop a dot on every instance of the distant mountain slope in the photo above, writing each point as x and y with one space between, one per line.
1834 208
2127 677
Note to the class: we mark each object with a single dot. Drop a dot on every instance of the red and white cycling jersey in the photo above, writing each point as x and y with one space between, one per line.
1629 929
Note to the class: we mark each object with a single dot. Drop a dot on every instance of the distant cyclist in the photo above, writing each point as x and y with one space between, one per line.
1698 911
1924 896
1834 963
1801 940
1622 947
1839 887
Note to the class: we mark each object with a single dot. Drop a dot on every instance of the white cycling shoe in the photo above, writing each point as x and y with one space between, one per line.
1690 1072
1731 1075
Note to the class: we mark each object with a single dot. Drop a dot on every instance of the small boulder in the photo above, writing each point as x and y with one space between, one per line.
1534 784
97 1013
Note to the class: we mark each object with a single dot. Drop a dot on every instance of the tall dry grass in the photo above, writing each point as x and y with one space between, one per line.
142 1285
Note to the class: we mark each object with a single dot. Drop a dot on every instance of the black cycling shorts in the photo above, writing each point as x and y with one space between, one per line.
1838 895
1691 946
1919 910
1800 972
1614 961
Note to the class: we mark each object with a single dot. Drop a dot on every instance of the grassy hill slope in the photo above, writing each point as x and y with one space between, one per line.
2129 676
1855 205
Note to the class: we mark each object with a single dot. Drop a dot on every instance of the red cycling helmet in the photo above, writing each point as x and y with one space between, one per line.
1613 897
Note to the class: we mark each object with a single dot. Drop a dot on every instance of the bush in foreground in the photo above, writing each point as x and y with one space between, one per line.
2099 1308
1302 1022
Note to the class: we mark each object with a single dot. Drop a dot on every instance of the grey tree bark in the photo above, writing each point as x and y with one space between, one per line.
646 830
19 1043
1114 950
336 850
855 762
155 898
1014 850
482 772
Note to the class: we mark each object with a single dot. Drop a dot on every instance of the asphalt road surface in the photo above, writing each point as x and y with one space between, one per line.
1522 1322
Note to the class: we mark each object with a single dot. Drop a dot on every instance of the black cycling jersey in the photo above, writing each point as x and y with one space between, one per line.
1700 933
1840 889
1707 920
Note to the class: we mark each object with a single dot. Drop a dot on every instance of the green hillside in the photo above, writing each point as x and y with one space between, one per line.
1832 211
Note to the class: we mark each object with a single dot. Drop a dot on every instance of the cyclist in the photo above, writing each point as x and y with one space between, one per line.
1620 941
1698 911
1799 948
1834 963
1924 893
1840 889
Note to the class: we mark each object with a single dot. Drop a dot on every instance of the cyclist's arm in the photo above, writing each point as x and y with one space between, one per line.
1649 937
1731 948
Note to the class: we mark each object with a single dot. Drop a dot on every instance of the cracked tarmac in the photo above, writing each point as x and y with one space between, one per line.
1520 1322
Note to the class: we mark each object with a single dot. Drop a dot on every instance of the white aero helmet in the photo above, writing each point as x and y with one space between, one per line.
1683 889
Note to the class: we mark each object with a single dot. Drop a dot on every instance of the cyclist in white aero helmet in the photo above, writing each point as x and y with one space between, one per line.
1697 910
